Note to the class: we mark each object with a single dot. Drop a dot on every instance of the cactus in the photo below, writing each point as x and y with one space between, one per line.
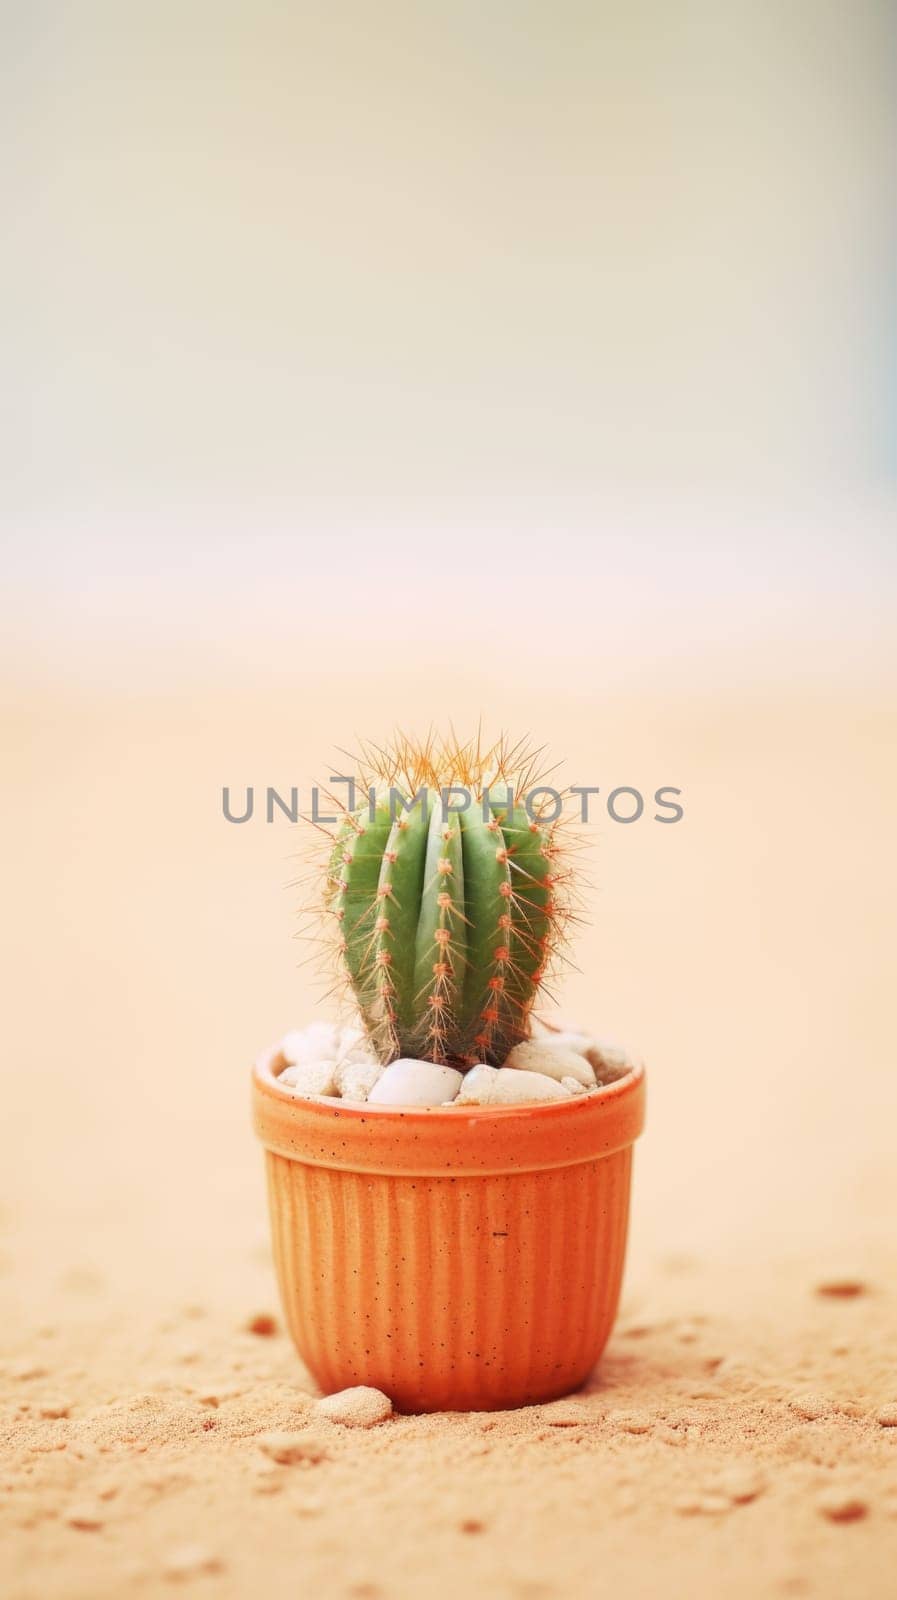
448 919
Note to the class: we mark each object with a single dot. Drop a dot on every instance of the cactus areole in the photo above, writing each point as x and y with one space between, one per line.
448 918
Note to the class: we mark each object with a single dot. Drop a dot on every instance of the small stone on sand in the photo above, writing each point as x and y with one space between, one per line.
887 1417
360 1407
633 1421
24 1371
263 1324
291 1448
54 1408
841 1288
702 1505
190 1561
86 1517
739 1483
569 1413
811 1407
269 1482
667 1435
840 1505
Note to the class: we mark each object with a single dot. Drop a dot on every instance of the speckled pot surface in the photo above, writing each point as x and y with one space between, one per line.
458 1259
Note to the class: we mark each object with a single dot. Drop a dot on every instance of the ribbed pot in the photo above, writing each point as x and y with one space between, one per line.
457 1259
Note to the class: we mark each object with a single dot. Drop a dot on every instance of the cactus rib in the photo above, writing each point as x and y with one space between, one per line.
448 918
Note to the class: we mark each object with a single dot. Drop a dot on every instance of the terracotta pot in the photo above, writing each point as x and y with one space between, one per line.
457 1259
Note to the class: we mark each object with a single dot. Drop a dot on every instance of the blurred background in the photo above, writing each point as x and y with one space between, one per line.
376 365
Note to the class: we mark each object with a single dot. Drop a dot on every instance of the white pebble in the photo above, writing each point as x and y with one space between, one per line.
317 1042
608 1059
355 1408
574 1085
353 1045
514 1085
478 1088
569 1039
355 1079
553 1060
309 1078
415 1083
496 1086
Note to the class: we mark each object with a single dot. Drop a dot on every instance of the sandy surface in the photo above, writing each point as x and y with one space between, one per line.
740 1436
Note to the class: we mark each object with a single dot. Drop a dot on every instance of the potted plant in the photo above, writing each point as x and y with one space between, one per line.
448 1183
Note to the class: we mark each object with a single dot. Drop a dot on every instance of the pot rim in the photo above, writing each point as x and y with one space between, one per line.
446 1141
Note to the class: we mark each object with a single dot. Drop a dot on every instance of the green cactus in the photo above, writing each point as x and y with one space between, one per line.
447 918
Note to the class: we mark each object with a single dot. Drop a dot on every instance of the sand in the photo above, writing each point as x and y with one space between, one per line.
729 1445
159 1434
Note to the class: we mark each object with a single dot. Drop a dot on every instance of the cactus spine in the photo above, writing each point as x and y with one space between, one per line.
448 918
